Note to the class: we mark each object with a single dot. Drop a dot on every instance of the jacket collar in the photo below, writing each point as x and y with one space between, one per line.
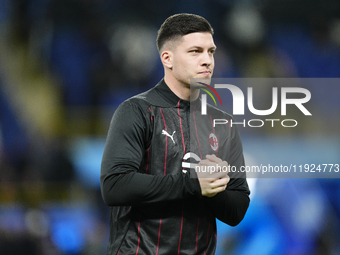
162 96
170 97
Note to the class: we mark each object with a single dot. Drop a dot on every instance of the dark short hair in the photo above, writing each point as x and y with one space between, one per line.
179 25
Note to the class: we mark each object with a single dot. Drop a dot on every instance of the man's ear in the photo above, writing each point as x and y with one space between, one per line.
166 58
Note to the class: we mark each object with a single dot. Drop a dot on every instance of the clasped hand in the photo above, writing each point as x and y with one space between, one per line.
212 174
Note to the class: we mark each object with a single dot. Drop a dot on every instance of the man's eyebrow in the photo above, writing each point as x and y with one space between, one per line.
195 47
200 47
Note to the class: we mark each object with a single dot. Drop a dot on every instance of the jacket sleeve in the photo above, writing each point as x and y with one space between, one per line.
121 183
231 205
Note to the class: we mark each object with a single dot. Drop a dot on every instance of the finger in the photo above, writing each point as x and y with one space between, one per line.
213 158
219 175
210 175
220 183
215 191
205 162
211 171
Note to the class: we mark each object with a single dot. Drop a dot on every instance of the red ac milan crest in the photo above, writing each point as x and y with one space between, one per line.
213 141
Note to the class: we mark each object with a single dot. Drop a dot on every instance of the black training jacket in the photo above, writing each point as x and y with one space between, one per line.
156 203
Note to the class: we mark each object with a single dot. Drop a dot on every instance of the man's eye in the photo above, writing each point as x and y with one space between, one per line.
194 51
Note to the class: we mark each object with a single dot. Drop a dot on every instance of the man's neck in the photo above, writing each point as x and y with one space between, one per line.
182 91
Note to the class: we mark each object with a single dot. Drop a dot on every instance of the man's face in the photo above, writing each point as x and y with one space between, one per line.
193 57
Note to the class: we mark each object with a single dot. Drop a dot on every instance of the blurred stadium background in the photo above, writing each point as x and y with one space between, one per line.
65 65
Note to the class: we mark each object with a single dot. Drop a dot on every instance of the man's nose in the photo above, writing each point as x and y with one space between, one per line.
207 59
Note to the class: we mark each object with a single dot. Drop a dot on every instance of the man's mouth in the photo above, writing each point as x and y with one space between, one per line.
205 73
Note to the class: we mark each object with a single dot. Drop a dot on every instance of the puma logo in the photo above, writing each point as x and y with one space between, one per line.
167 134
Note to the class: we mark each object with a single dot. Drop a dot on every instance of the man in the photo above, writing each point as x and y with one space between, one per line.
157 206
